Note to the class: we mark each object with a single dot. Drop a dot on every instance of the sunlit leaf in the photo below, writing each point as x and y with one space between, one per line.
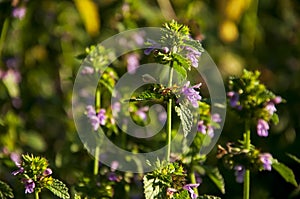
285 172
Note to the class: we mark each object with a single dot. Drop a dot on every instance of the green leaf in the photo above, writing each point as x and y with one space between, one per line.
214 174
179 69
186 117
194 44
208 197
151 190
182 195
59 189
294 158
5 191
285 172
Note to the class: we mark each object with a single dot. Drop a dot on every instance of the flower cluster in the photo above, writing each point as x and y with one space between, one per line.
191 94
240 159
96 119
34 172
252 100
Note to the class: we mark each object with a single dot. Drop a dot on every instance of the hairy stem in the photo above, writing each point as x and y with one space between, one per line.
97 109
169 115
247 173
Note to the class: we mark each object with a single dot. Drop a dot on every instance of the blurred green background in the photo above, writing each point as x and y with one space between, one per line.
38 64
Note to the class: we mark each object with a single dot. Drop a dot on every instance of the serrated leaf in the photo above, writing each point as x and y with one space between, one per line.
5 191
151 191
215 175
182 61
179 69
208 197
194 44
294 158
59 189
285 172
186 117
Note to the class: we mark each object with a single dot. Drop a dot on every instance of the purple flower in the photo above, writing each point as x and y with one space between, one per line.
47 172
266 159
216 117
234 100
132 63
141 112
239 173
113 177
20 170
87 70
154 45
191 94
114 165
193 55
201 127
210 131
29 185
189 188
277 100
96 119
15 157
262 128
19 12
270 107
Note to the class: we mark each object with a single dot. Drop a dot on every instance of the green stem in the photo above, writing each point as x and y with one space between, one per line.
193 178
97 109
3 34
169 115
247 173
96 161
36 194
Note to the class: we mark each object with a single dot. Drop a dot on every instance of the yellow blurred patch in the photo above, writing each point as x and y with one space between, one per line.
88 11
228 31
235 8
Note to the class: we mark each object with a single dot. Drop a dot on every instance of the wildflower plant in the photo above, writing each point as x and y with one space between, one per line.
35 174
255 105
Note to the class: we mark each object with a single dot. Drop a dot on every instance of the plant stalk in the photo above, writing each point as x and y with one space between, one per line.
97 109
246 194
193 179
36 195
169 115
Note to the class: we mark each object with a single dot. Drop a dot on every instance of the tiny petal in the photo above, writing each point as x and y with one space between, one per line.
47 172
201 127
262 128
216 117
191 94
270 107
239 173
266 159
29 185
19 12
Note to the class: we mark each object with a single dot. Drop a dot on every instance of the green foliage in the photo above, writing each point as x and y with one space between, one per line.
166 175
59 189
186 117
214 174
285 172
253 96
294 158
5 191
182 195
